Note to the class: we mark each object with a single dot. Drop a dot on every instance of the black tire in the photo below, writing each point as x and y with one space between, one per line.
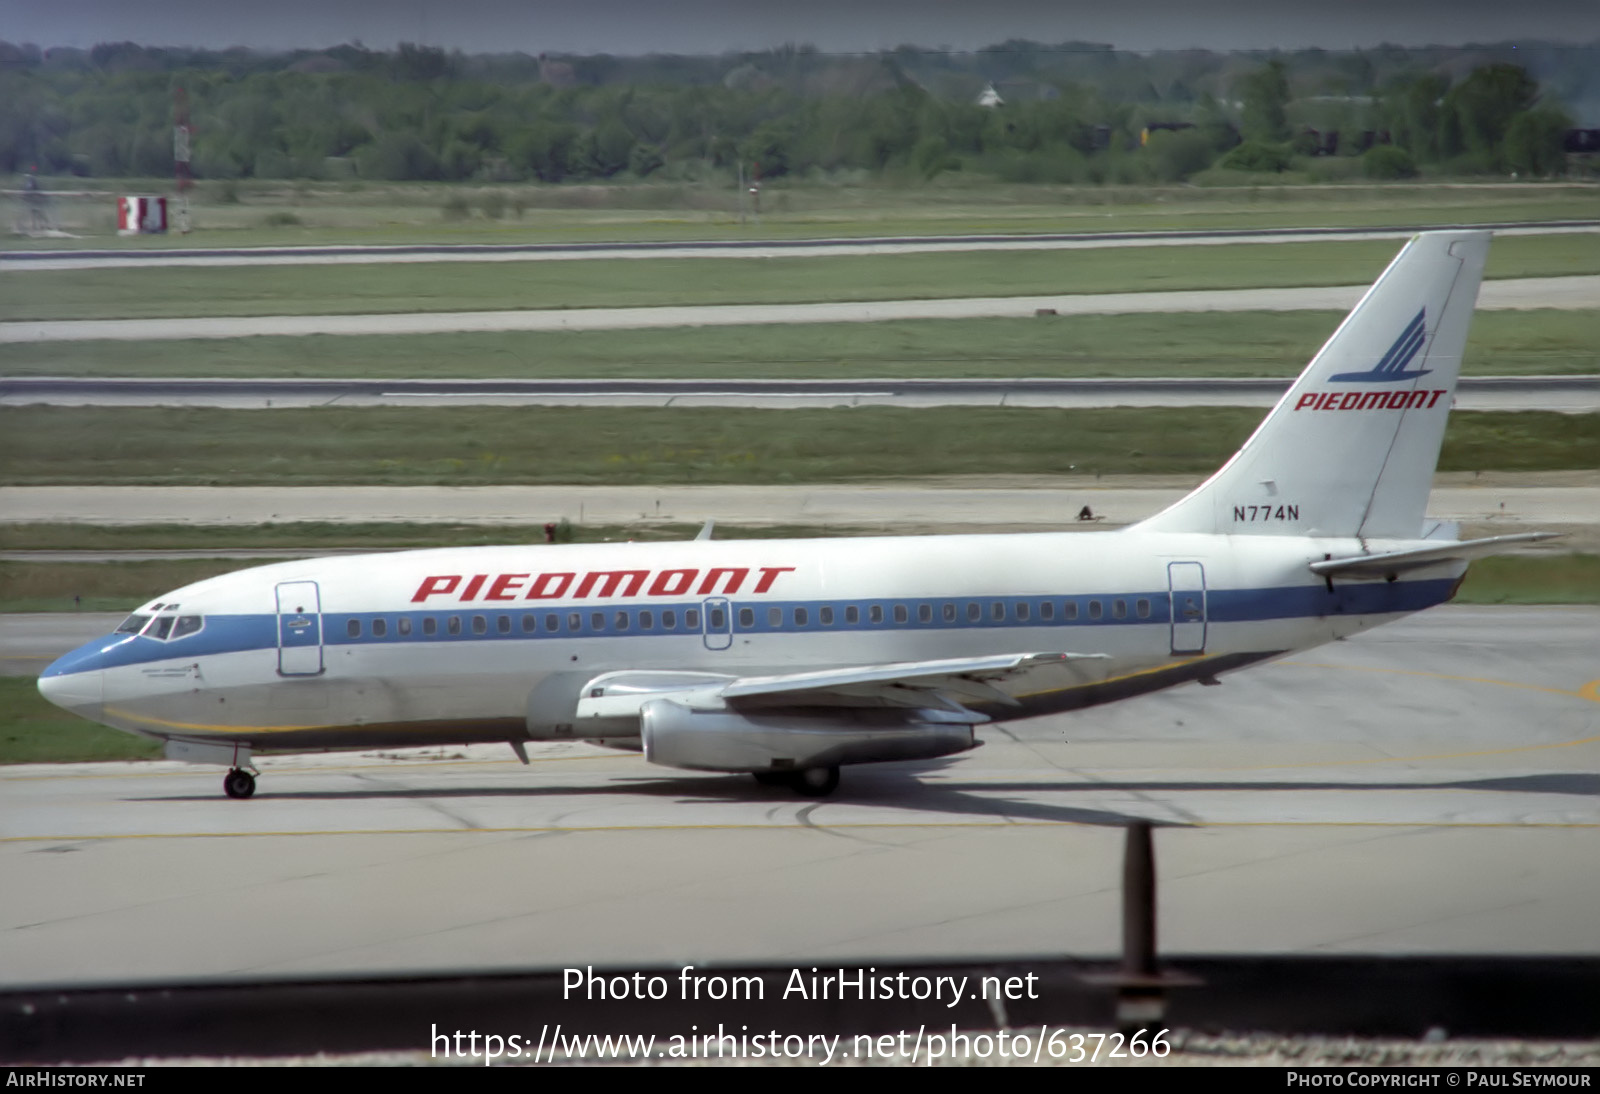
239 783
815 782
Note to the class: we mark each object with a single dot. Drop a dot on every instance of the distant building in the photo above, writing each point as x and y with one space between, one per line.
990 97
1581 141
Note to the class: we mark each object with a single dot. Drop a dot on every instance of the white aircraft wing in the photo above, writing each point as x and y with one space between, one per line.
940 685
905 683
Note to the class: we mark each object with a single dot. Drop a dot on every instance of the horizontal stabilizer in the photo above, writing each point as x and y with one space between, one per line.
1395 561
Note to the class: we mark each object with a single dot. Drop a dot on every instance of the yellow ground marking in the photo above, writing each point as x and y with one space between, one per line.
783 826
1164 666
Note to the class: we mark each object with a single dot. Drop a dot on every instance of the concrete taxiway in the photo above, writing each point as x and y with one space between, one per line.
1508 501
779 248
1428 787
1563 394
1517 293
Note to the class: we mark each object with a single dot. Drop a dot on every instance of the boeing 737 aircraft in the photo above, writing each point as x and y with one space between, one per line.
788 659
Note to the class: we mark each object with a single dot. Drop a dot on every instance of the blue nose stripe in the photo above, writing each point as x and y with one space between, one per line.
89 657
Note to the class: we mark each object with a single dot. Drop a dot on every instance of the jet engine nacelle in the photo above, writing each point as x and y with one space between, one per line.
726 740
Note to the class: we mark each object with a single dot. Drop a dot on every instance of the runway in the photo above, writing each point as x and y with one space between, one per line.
1564 394
1428 787
776 248
1517 293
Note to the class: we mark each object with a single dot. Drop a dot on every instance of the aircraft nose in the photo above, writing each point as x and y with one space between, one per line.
74 691
74 682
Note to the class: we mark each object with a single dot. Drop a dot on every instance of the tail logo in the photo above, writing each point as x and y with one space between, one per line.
1392 368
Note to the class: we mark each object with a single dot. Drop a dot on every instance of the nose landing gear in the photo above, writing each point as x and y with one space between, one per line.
238 783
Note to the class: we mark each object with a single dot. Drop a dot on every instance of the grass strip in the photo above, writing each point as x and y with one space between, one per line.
491 286
1503 343
469 446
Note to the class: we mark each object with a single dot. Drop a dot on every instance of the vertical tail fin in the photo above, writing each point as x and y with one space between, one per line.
1351 449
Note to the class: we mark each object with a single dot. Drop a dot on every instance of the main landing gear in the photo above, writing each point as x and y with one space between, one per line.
238 783
812 782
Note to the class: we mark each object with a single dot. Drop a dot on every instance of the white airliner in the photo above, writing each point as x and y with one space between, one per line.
787 659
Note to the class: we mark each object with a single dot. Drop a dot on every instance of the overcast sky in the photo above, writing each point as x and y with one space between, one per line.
712 26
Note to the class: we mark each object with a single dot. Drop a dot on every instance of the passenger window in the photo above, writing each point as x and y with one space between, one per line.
825 616
1069 609
1144 608
529 624
924 613
380 628
620 620
503 624
774 617
669 620
1119 609
691 619
1047 610
900 613
597 621
575 621
353 628
974 612
647 621
187 625
552 622
430 625
480 625
747 617
875 613
1094 609
852 614
453 624
801 617
403 625
949 613
1022 612
997 611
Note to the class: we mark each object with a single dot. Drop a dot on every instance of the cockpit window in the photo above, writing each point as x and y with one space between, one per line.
187 624
161 628
133 624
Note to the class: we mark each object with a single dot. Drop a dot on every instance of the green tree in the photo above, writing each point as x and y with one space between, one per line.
1533 141
1176 154
1411 111
1483 106
1387 161
1258 156
1265 93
